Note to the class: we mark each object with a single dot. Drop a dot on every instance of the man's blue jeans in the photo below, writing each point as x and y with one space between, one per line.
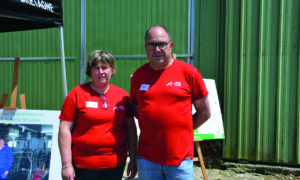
148 170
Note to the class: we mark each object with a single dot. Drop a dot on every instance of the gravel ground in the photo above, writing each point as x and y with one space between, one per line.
217 174
216 169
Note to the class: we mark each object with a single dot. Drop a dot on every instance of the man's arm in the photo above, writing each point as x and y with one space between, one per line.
135 111
202 114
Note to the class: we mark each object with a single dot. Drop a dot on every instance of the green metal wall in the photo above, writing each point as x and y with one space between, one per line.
262 80
209 41
119 27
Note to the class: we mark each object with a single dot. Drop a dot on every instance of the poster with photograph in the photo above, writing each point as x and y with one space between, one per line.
32 137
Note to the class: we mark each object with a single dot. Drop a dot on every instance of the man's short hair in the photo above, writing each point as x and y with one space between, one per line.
158 25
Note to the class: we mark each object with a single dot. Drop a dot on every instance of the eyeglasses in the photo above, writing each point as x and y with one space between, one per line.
161 45
104 104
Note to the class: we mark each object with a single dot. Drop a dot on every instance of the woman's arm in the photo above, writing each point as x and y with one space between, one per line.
132 147
65 143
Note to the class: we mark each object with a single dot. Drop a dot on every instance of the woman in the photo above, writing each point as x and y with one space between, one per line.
95 124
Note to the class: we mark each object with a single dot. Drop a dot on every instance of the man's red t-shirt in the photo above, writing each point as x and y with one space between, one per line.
164 99
99 135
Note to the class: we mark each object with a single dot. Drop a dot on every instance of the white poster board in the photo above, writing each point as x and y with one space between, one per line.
27 123
213 127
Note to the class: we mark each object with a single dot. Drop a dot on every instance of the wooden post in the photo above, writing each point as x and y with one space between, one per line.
3 100
13 98
15 83
22 100
200 158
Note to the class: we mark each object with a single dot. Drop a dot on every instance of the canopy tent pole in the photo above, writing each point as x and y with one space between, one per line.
82 41
63 66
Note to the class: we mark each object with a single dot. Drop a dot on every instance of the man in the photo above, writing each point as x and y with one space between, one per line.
6 159
162 92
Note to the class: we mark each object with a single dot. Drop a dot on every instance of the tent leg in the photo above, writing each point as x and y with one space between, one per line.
63 66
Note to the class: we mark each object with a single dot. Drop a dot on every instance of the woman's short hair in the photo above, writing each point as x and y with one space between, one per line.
100 56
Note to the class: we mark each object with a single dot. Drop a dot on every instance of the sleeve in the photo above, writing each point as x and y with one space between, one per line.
197 85
129 108
69 108
132 97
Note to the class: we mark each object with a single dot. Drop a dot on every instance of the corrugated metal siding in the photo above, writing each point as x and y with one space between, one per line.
119 27
41 80
209 42
71 16
261 109
207 37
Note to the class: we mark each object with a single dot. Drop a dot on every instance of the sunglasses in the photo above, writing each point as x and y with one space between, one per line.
104 104
161 45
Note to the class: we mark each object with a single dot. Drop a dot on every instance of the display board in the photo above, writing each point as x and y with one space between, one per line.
33 136
213 127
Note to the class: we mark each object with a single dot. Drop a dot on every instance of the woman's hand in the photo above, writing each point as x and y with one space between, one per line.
68 173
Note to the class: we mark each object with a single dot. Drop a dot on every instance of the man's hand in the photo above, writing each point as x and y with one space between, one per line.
131 170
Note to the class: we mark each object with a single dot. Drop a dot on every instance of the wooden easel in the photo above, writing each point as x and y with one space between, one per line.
200 158
174 55
14 90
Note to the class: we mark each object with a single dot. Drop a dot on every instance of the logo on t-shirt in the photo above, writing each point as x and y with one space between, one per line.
144 87
176 83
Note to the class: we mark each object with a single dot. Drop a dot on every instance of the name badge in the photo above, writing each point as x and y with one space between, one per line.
144 87
91 104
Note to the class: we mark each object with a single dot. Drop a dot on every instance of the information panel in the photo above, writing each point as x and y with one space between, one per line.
212 128
32 135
